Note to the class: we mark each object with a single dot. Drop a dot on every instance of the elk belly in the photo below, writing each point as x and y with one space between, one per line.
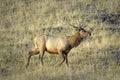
51 51
51 48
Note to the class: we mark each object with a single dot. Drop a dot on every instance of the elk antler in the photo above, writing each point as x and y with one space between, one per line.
71 24
81 26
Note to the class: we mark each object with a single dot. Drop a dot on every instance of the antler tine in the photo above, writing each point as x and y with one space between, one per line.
71 24
82 26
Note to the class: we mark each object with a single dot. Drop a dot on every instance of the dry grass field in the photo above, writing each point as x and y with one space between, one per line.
96 58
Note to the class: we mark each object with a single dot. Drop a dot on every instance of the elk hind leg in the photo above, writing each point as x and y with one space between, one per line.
31 53
41 57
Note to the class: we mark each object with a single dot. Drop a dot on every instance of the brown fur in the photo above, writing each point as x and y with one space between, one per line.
57 45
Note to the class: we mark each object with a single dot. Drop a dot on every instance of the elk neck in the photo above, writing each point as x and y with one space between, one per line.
75 39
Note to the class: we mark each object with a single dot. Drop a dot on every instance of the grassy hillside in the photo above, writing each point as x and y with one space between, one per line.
96 58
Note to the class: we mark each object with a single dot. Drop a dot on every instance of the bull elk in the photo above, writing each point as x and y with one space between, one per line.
57 44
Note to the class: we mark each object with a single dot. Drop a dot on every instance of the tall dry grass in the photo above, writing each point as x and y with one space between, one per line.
97 57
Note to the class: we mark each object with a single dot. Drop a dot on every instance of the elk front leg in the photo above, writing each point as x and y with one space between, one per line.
63 57
66 60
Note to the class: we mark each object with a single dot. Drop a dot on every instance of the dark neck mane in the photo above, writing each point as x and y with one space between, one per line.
75 39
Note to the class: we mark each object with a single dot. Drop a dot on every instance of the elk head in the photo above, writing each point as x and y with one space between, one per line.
83 33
